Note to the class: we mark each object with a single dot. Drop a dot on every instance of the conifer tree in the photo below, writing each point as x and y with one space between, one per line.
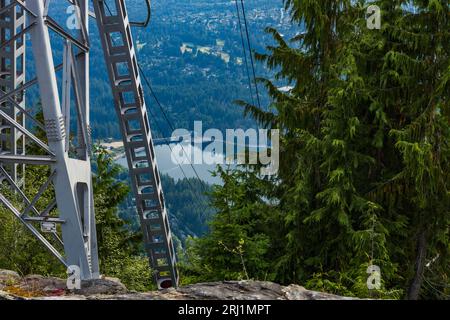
364 176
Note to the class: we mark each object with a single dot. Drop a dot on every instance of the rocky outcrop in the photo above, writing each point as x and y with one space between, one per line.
8 277
13 287
110 286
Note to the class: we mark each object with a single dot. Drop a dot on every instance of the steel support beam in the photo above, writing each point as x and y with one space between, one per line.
120 56
73 184
32 160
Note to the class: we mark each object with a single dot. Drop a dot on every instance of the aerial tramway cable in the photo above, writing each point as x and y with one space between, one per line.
245 51
251 53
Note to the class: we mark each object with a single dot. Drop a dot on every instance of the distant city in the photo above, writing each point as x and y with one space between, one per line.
192 53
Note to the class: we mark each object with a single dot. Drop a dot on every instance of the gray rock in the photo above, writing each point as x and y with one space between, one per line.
8 278
296 292
48 285
49 288
106 286
233 290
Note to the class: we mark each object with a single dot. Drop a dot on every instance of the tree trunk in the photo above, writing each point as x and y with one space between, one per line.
416 283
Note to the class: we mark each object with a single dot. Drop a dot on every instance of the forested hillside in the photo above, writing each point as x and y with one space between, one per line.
200 83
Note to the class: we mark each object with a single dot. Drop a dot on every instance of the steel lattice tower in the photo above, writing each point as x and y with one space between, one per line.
12 76
70 171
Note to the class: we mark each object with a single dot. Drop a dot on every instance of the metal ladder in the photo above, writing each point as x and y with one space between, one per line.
120 56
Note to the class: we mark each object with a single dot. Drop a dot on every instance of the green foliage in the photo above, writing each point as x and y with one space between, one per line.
364 157
19 250
189 206
238 244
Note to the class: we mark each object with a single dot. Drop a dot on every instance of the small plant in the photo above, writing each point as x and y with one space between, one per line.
239 250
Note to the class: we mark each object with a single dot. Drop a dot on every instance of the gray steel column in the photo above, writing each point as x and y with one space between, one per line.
12 76
83 65
72 181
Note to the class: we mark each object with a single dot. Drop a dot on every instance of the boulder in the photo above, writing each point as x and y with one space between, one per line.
296 292
105 286
46 285
8 278
233 290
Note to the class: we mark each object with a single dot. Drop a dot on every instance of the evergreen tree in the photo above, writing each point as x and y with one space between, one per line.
237 246
364 176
